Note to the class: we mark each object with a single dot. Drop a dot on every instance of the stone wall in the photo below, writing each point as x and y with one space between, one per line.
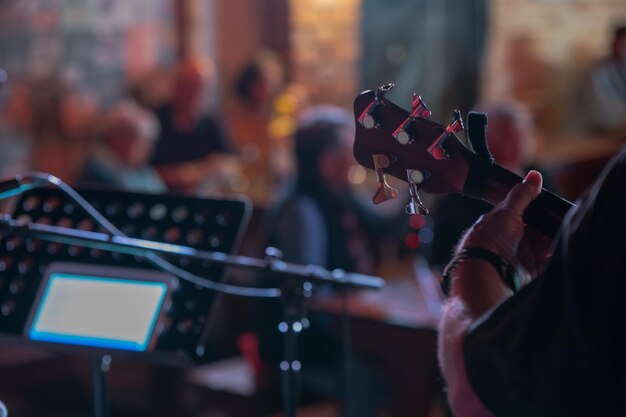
324 40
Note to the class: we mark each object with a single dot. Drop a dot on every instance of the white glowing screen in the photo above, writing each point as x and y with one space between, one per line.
98 311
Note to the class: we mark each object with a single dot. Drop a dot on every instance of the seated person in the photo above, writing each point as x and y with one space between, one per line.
319 222
556 347
191 140
121 159
252 121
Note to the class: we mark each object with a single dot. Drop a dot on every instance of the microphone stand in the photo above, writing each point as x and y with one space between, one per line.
272 265
142 247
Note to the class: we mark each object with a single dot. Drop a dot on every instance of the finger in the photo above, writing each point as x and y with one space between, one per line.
523 193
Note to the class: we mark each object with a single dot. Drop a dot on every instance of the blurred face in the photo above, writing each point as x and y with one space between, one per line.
262 90
190 90
336 162
139 152
191 83
509 140
269 83
130 147
77 113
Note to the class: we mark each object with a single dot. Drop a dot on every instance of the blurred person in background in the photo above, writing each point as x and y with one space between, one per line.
192 145
600 108
511 142
121 159
320 221
261 121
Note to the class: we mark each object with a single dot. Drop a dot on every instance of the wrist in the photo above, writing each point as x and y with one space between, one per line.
505 270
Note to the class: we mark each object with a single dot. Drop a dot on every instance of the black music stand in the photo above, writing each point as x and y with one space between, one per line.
207 224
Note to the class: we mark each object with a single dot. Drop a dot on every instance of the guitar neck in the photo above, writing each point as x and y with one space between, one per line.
410 142
545 213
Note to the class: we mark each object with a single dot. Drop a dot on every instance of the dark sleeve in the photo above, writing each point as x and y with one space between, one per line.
301 233
163 147
558 347
219 135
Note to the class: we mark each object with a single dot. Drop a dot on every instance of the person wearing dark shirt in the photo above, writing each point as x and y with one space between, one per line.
192 143
556 346
203 138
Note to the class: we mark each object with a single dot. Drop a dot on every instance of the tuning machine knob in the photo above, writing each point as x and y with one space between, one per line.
418 109
436 148
384 192
367 118
416 177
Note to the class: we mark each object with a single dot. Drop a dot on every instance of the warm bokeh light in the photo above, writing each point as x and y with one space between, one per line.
357 174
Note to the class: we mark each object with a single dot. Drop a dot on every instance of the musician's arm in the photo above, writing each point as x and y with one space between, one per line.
477 287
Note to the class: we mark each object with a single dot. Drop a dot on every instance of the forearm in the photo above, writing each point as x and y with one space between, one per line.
478 285
479 279
455 321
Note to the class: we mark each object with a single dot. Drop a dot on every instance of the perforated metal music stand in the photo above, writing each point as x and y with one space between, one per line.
207 224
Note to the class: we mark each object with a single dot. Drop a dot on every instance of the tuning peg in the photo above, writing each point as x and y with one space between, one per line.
383 191
415 178
418 109
436 148
368 118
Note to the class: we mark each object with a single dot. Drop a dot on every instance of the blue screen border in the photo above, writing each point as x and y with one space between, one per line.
65 271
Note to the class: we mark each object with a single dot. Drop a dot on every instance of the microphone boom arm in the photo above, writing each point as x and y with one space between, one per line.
141 247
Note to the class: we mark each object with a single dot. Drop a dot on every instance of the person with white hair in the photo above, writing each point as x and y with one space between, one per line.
120 160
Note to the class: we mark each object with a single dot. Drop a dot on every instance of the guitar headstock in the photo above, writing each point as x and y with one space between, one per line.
409 146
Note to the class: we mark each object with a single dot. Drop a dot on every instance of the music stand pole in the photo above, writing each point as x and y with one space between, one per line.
292 295
101 366
290 366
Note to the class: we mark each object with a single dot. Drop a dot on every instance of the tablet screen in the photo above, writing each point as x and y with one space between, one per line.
98 311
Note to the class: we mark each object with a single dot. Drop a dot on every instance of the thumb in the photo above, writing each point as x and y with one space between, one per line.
523 193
